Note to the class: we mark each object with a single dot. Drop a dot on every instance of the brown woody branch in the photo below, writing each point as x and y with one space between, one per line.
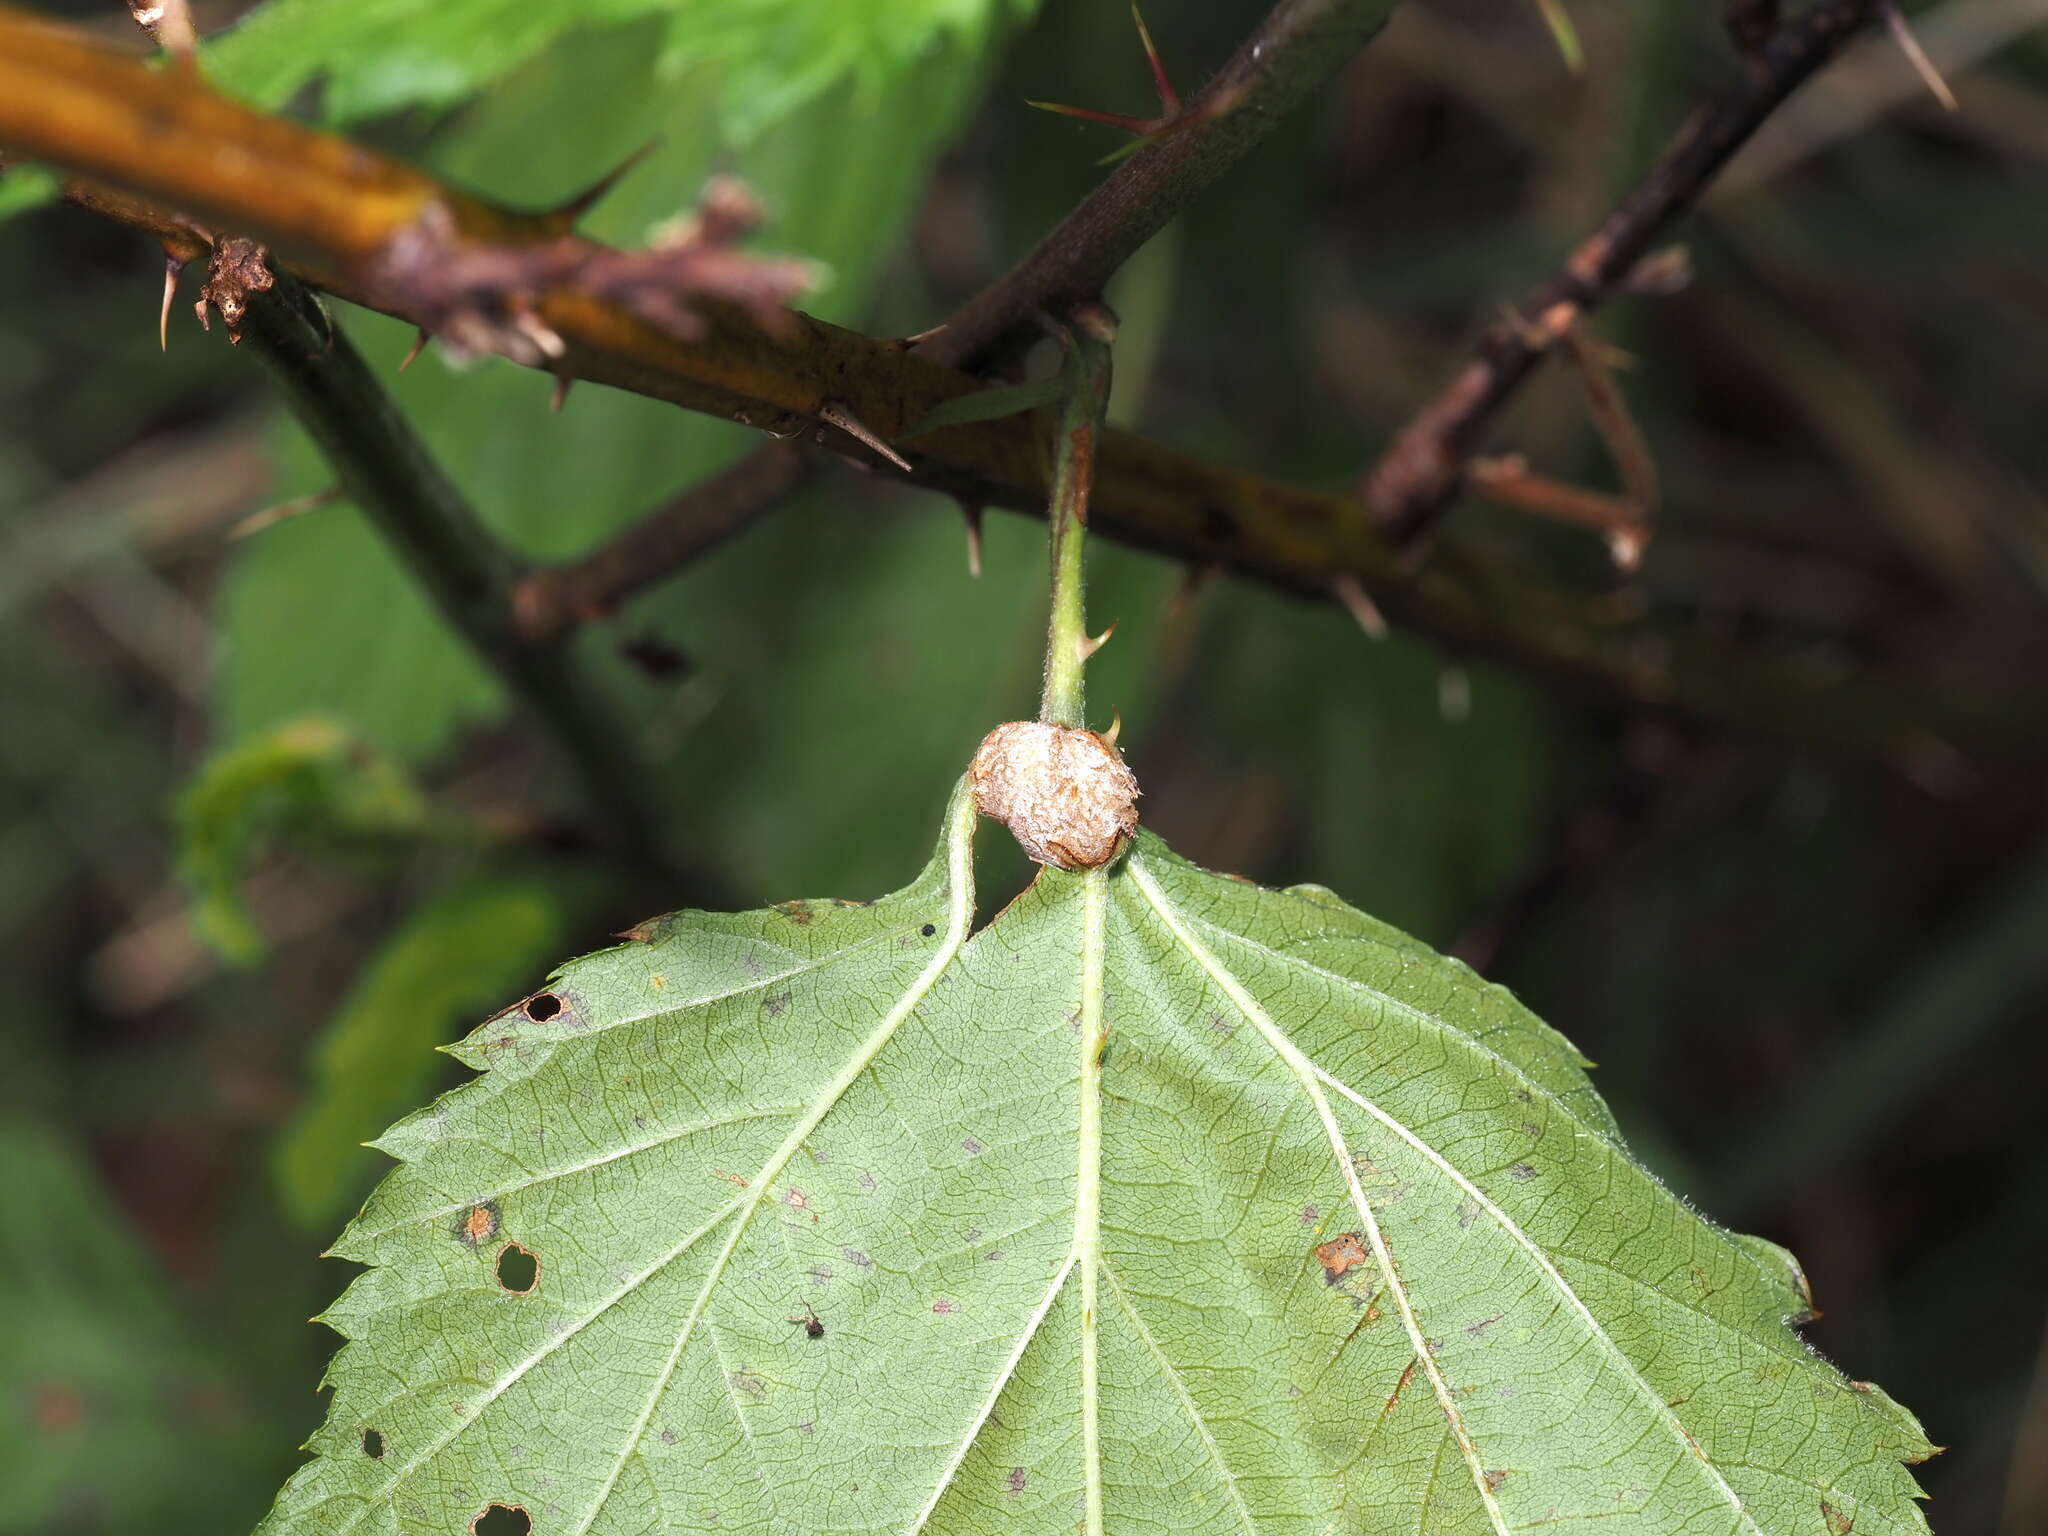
557 598
165 152
1423 469
1297 48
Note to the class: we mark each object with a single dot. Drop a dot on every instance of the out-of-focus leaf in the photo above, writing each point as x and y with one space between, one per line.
1164 1201
319 616
986 405
450 961
775 56
27 186
311 783
114 1417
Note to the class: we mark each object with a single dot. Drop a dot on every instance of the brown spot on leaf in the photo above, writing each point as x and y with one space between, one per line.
1340 1255
1495 1478
797 1200
477 1224
1839 1524
798 912
1015 1481
1521 1173
945 1306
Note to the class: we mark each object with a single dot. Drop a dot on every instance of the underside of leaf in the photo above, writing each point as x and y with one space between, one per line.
1163 1203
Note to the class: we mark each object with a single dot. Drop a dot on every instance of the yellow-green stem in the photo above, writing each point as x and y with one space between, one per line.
1080 424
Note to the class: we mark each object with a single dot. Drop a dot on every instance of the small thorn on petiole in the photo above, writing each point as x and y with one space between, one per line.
1359 604
1116 727
1090 646
839 416
419 345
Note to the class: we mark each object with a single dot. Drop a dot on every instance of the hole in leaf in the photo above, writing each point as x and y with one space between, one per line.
543 1006
518 1269
373 1444
929 929
502 1520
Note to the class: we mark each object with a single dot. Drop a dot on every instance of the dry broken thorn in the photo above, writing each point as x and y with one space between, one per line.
170 23
1616 425
1421 470
1902 35
560 395
173 267
655 656
236 269
481 295
838 415
256 522
1359 604
419 344
1661 273
1507 479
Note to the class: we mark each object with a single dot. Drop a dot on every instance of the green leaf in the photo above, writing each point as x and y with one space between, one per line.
463 950
116 1414
776 56
1162 1203
309 782
987 405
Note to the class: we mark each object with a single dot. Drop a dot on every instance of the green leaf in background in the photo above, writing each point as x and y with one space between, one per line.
1164 1202
318 615
311 783
776 56
116 1416
450 961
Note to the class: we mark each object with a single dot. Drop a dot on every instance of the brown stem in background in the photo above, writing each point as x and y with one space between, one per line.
184 154
556 598
1422 470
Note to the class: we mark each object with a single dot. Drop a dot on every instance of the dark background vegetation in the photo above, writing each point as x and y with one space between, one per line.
1816 987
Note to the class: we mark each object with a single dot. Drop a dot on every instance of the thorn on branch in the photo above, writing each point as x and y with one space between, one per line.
567 214
485 296
236 269
971 511
420 339
1173 117
838 415
560 396
174 267
256 522
1347 589
1902 35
